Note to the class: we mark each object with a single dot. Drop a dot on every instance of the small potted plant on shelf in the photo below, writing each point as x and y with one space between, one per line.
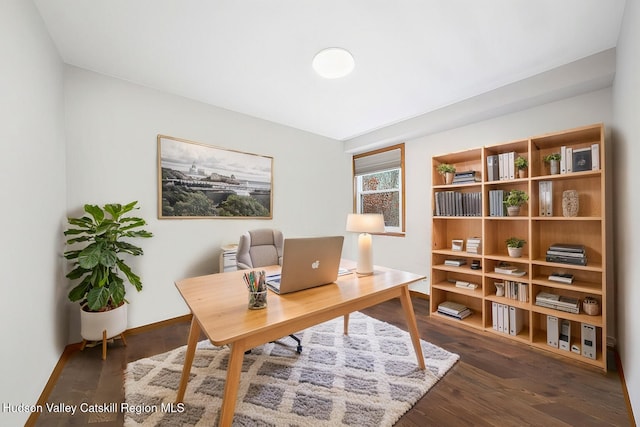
98 264
447 171
514 246
522 164
515 199
554 162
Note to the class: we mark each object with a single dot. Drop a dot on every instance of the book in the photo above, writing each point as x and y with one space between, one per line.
465 285
561 277
492 168
567 247
567 260
558 302
454 309
566 254
545 198
456 262
509 269
595 156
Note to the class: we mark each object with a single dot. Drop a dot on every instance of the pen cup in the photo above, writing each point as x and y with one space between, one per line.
257 300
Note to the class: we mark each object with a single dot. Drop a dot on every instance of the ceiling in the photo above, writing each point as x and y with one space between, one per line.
254 57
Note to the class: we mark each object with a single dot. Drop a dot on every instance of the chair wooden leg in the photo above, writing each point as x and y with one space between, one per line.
83 345
104 345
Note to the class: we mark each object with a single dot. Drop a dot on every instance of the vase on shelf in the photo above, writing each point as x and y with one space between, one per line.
555 166
570 203
513 210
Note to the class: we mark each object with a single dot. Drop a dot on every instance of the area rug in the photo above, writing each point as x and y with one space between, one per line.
367 378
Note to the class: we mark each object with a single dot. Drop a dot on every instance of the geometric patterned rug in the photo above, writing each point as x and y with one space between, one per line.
368 378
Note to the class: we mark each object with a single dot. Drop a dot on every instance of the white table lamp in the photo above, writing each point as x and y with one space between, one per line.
365 224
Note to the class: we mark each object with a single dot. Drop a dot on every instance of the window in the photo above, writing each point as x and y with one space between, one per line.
379 185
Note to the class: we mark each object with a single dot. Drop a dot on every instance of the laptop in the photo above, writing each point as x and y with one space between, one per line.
307 262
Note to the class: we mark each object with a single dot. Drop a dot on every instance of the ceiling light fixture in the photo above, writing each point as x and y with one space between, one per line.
333 63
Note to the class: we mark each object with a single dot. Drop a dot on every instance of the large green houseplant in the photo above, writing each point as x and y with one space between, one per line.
98 264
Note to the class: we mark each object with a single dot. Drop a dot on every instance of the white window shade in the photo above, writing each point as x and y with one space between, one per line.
384 160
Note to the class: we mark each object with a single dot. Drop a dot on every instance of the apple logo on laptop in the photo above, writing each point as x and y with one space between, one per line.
315 265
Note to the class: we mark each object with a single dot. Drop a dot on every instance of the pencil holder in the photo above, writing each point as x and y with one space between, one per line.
257 300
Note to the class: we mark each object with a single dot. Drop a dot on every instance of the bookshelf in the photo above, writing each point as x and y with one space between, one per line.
542 223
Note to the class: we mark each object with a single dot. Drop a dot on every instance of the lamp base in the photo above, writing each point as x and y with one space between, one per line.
365 255
368 273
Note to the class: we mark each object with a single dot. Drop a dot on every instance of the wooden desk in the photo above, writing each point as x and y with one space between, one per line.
218 303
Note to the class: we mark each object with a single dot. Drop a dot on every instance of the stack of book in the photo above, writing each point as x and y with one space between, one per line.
558 302
561 277
455 262
473 245
466 177
567 254
454 309
504 268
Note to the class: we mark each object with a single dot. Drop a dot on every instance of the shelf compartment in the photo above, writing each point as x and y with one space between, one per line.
446 229
587 184
539 340
575 138
589 282
587 233
467 160
523 335
441 292
497 231
580 317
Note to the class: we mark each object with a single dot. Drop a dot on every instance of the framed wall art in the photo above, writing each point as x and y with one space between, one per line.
202 181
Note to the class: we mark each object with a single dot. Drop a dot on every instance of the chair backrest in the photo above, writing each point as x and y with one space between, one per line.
259 248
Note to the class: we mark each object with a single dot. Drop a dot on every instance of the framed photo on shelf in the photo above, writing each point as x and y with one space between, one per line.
457 245
202 181
581 160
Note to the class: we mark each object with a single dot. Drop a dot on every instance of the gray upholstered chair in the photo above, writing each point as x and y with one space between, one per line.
260 248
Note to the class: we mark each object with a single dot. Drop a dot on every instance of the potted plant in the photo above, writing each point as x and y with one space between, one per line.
522 164
103 235
447 171
514 246
515 199
554 162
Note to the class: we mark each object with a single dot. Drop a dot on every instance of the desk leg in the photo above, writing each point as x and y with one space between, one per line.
194 334
410 316
231 384
346 324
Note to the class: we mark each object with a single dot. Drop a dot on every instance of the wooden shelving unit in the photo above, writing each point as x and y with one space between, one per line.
588 229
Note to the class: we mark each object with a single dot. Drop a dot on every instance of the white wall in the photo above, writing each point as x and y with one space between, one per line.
111 157
32 187
626 92
412 252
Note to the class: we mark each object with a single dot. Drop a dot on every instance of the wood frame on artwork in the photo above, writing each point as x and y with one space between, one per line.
202 181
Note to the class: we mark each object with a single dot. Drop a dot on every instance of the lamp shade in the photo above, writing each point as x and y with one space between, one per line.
365 223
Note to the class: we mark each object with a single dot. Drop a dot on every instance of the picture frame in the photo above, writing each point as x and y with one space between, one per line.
581 160
197 180
457 245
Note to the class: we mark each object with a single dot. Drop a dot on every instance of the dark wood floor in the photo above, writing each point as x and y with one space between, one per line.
496 382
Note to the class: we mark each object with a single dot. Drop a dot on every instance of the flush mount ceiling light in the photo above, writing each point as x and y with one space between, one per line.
333 63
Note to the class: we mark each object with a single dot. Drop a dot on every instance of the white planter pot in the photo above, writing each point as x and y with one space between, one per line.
93 324
514 252
513 210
